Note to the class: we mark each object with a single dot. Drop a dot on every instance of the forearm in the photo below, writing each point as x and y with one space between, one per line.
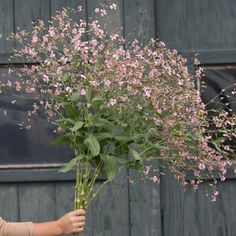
51 228
16 229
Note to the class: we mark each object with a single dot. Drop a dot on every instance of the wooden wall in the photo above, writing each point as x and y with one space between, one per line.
203 26
43 194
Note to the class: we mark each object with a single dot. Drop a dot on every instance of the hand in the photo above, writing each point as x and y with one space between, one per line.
72 222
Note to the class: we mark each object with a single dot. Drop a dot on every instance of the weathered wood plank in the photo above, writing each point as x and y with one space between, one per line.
110 210
145 209
8 202
198 25
35 175
211 218
57 5
144 198
37 202
188 213
6 25
113 21
171 205
28 11
139 20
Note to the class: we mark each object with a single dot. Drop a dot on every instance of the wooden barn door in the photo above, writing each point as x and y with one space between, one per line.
207 28
31 188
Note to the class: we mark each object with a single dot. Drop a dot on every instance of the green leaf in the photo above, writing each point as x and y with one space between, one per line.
75 97
71 110
123 139
78 125
110 167
218 148
66 120
137 160
97 101
104 124
93 145
218 140
102 136
160 147
71 164
61 139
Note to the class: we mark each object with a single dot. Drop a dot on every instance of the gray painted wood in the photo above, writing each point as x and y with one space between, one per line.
144 197
110 210
212 218
31 10
28 11
203 26
8 202
34 175
199 25
114 19
192 213
37 202
145 209
57 5
6 25
171 206
139 20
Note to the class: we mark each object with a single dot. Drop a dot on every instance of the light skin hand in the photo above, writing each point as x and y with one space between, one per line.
71 223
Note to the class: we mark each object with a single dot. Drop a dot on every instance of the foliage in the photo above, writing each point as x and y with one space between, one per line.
118 106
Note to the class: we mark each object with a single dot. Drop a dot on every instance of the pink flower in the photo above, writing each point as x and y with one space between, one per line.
155 179
9 83
113 6
147 91
30 90
83 92
201 166
34 39
45 78
18 86
51 31
57 91
147 170
112 102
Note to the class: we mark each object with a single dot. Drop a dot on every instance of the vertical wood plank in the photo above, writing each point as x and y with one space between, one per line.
113 21
139 20
197 25
28 11
6 25
57 5
64 197
8 202
191 213
211 218
145 209
37 202
145 212
172 203
110 210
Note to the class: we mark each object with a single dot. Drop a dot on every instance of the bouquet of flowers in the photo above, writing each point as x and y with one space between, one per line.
117 104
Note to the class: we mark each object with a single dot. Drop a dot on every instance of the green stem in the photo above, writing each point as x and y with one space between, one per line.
92 182
98 190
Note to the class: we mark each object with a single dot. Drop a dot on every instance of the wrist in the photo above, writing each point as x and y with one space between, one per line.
58 228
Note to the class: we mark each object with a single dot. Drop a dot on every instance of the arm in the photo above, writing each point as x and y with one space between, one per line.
72 222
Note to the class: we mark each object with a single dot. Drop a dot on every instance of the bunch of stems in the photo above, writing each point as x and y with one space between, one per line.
85 191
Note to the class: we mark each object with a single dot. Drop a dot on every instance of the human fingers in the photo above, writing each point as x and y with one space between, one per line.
80 212
79 224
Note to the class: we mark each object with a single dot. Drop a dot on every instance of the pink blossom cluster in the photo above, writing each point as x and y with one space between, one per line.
147 88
